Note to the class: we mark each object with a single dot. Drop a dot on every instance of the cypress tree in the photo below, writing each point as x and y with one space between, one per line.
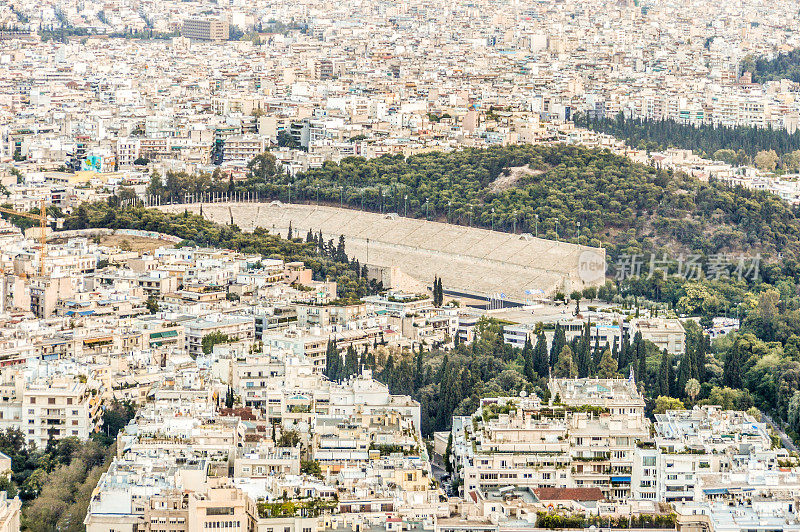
332 361
341 255
732 369
684 374
673 392
350 367
663 374
559 341
699 362
527 360
418 369
467 382
541 362
640 357
624 352
387 375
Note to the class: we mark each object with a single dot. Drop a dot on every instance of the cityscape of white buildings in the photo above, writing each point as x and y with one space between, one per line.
100 87
248 434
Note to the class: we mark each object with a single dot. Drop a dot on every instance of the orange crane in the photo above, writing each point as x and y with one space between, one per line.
42 218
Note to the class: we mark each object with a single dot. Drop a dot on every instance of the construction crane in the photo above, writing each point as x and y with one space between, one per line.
42 218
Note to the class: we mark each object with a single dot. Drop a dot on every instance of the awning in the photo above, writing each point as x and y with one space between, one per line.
97 340
163 334
620 479
715 491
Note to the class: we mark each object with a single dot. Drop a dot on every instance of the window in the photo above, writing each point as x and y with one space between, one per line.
51 400
69 400
219 510
33 400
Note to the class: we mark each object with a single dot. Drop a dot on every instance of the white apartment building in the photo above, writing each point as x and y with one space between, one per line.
236 328
57 407
243 147
588 440
703 443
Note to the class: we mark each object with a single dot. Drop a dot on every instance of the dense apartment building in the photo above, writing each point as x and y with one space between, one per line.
205 29
233 327
45 408
586 440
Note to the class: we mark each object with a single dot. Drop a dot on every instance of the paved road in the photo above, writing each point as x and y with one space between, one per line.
786 441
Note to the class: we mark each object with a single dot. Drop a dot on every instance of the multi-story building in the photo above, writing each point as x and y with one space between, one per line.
705 442
44 408
585 440
242 147
666 333
205 29
233 327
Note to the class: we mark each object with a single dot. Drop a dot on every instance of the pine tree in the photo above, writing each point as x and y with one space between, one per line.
310 236
607 367
565 366
289 234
